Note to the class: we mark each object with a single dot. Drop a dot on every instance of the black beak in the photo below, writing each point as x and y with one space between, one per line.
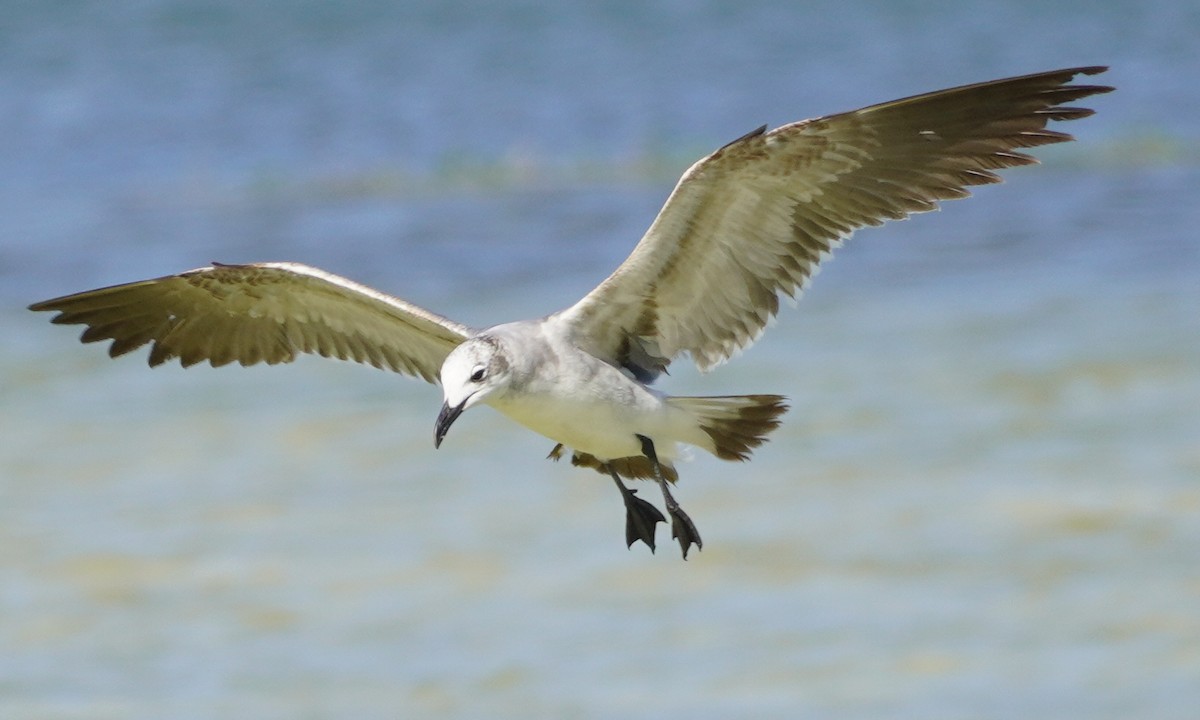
445 419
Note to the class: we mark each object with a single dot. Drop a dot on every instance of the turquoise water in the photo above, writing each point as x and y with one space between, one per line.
985 502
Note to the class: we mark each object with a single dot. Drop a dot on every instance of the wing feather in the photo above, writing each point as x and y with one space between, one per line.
266 312
756 218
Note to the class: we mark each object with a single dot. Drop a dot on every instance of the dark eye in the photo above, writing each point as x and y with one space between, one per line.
478 374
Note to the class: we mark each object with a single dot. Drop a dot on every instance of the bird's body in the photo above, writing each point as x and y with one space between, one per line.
565 393
587 404
750 222
591 406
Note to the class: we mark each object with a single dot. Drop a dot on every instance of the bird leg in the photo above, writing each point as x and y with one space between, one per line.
640 516
682 527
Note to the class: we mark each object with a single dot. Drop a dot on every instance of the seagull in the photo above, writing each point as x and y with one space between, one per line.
744 226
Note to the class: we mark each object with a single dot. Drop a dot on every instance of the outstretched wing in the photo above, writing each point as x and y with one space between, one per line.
755 218
266 312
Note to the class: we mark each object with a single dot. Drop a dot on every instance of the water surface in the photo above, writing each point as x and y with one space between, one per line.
985 502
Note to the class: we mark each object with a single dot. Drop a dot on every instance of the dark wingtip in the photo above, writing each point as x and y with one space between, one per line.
44 305
1090 89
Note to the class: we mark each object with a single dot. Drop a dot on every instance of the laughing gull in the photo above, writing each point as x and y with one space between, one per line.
744 225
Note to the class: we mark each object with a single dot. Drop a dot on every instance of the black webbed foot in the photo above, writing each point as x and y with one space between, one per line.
640 516
682 527
640 520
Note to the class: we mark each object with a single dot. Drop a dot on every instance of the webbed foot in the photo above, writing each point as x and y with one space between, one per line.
640 516
683 529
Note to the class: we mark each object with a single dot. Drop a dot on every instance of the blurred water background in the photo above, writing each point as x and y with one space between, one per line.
984 504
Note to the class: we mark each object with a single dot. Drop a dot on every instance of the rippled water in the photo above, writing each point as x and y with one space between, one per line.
985 502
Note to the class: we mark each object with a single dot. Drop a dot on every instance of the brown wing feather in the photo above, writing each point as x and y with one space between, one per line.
754 219
267 312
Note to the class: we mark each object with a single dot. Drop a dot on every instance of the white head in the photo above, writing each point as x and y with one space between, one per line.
473 371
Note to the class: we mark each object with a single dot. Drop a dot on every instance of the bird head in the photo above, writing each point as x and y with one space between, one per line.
474 371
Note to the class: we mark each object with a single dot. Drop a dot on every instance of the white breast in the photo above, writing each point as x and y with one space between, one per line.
600 413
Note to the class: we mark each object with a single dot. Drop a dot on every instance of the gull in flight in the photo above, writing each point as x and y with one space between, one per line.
745 225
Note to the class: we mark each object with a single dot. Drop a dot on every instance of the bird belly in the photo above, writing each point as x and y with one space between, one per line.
598 427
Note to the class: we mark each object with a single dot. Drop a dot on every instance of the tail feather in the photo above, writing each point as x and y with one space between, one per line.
734 424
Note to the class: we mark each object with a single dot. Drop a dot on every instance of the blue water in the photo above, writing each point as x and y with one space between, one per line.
985 502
